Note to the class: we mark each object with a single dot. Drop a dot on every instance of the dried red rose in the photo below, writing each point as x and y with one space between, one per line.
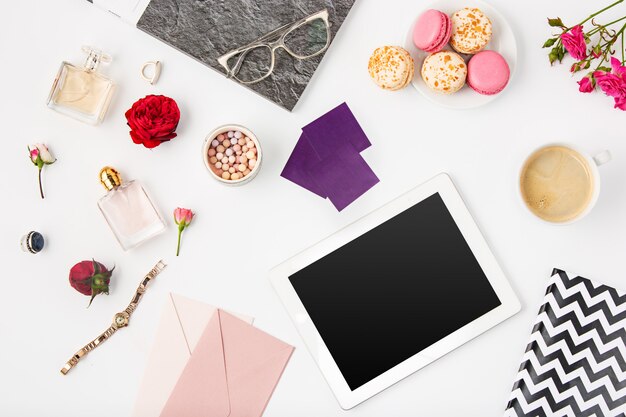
90 278
153 120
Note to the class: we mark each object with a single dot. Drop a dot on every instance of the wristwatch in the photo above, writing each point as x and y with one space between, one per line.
120 320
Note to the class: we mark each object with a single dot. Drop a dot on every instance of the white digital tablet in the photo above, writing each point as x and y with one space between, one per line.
394 291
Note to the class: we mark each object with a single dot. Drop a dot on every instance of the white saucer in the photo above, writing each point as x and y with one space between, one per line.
502 41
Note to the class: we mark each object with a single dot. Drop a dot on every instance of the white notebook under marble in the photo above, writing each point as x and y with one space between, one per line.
205 30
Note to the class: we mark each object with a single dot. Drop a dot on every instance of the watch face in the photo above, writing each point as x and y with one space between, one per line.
121 319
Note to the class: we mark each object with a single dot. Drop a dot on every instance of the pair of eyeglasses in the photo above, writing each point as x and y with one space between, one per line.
303 39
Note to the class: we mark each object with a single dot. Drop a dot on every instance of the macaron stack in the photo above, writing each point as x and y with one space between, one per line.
391 67
468 32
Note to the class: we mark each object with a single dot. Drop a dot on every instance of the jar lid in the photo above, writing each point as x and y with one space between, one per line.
110 178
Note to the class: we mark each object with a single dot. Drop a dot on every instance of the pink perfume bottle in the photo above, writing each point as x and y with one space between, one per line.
128 210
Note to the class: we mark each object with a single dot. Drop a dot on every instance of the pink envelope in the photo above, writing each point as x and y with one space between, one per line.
182 324
231 373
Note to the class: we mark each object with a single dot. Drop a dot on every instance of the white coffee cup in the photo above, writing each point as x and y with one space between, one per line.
593 162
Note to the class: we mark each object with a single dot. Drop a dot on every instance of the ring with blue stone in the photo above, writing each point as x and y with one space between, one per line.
32 242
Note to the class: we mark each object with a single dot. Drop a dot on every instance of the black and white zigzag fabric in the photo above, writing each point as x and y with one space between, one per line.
575 362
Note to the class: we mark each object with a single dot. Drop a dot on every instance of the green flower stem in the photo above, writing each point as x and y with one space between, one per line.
596 30
621 34
598 12
601 62
609 43
40 187
622 47
180 232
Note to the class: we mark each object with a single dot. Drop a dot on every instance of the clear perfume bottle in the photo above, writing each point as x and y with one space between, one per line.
82 93
128 210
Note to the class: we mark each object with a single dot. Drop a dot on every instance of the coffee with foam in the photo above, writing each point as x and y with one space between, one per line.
557 184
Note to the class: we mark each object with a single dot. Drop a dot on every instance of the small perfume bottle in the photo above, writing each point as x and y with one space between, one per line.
82 93
128 210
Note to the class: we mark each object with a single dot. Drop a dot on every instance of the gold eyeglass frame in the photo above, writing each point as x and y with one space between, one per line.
263 42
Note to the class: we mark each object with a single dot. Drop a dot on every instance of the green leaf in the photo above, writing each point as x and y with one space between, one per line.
557 53
552 57
549 42
605 69
96 267
556 22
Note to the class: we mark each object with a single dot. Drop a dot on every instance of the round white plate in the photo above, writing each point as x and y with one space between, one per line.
502 41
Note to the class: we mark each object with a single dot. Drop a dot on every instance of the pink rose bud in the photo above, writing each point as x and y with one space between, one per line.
34 153
587 84
182 217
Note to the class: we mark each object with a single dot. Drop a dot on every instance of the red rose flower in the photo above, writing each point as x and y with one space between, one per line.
90 278
153 120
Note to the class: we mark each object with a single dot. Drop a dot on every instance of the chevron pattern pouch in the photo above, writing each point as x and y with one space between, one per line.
575 362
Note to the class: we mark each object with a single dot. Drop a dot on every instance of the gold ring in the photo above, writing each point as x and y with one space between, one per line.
155 75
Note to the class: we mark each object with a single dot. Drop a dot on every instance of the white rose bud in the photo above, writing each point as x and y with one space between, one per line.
40 156
45 154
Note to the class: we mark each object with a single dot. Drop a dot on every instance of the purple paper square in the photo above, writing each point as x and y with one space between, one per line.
297 169
344 178
326 159
331 132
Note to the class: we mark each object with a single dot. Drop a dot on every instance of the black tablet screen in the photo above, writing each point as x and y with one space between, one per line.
392 292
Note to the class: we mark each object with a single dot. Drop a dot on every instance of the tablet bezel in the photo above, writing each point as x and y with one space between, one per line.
279 276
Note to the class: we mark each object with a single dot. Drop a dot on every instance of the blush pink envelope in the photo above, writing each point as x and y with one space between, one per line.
232 372
182 324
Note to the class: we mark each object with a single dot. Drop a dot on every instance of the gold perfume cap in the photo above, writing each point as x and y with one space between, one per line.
110 178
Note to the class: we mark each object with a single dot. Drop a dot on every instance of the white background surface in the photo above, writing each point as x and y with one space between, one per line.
240 233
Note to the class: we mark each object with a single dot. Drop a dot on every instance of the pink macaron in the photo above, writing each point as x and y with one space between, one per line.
432 31
488 73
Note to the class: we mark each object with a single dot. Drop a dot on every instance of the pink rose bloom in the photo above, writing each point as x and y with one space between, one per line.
610 83
620 103
586 84
618 68
574 43
613 83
